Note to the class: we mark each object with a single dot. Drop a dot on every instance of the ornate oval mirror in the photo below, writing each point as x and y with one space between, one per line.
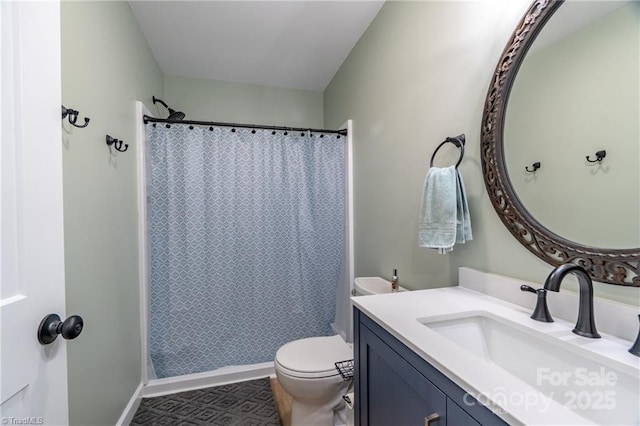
557 97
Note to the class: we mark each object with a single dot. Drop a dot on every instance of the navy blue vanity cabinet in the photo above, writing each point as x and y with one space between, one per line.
395 387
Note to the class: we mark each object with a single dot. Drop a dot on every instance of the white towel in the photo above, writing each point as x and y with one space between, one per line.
444 211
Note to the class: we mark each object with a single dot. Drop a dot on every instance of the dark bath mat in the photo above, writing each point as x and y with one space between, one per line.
245 403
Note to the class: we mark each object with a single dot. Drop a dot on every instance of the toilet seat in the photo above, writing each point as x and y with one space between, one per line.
313 358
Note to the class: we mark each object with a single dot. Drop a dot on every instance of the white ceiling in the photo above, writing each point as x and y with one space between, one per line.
297 44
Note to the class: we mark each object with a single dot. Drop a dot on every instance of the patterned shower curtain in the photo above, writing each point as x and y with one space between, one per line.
247 243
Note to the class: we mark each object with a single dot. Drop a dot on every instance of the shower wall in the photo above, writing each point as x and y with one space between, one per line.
213 100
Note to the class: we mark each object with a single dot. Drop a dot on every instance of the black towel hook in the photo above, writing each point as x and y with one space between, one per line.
117 144
535 166
72 115
599 156
458 141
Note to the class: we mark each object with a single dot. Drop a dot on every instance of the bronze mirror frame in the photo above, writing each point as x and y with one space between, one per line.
612 266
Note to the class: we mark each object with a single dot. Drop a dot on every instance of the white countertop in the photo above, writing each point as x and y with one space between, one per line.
398 313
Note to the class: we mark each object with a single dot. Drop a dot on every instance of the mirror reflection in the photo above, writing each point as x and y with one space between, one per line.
578 93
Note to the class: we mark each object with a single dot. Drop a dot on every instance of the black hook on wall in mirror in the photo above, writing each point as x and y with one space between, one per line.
117 144
599 156
72 114
535 166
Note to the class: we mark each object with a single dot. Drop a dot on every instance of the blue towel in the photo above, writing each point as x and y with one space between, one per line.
444 211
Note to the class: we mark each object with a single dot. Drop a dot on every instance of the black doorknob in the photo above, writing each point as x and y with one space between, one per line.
51 326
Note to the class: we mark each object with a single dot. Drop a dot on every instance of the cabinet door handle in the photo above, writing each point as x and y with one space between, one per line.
431 419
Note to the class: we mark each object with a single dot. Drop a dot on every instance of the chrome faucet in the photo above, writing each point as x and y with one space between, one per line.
586 325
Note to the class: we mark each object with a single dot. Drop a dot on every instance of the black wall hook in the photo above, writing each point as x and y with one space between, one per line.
535 166
72 114
117 144
599 156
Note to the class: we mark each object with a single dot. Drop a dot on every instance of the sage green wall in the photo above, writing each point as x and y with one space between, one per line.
421 73
106 67
222 101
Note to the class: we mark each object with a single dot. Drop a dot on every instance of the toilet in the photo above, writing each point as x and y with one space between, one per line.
306 369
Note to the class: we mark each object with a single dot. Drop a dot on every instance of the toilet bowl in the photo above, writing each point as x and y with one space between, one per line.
306 370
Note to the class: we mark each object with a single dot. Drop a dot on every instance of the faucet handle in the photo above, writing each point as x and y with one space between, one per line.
541 311
635 349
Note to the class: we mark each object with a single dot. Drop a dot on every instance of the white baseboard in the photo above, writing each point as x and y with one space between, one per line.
221 376
130 410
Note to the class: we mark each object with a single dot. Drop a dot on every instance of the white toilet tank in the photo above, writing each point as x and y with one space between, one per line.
365 286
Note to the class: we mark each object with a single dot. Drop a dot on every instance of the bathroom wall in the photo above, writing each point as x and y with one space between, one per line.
222 101
106 67
419 74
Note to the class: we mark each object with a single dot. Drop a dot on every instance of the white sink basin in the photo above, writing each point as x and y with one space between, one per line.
600 389
366 286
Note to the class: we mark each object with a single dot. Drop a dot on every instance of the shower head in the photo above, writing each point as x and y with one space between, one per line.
173 114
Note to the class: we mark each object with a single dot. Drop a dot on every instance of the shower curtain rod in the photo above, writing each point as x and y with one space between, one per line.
148 119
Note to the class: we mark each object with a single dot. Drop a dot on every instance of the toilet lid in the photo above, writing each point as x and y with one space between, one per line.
314 354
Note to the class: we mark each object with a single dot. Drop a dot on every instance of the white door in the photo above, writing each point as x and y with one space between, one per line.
33 377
